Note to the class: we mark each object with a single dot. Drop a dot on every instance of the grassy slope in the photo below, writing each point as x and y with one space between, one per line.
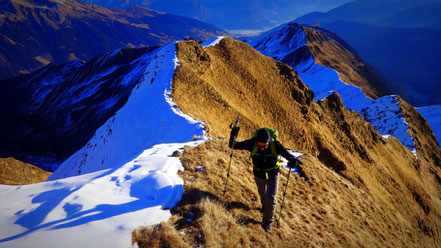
363 190
14 172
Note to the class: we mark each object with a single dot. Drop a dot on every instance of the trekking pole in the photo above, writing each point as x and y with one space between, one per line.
283 200
236 124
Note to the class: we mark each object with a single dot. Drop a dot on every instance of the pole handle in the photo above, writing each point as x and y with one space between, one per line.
235 123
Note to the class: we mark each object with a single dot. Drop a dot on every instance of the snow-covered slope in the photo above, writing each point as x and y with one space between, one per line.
98 209
146 119
119 181
433 116
386 116
60 106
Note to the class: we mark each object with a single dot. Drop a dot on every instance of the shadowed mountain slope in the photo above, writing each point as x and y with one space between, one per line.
400 38
363 190
408 56
231 14
51 113
392 13
36 33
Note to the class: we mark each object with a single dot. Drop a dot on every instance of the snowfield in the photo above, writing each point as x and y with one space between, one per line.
97 209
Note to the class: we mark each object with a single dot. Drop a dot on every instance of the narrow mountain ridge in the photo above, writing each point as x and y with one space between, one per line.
303 48
351 67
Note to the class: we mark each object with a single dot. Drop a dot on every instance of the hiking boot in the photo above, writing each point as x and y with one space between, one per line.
267 227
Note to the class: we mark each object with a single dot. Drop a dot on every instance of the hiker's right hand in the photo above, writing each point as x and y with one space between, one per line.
234 132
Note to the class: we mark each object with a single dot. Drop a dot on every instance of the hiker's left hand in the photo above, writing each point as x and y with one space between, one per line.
294 163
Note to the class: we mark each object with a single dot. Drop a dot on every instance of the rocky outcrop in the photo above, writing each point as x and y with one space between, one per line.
426 144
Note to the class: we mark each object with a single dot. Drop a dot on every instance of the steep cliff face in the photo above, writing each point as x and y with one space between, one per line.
426 144
217 83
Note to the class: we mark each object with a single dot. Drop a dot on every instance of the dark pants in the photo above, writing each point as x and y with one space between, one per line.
268 196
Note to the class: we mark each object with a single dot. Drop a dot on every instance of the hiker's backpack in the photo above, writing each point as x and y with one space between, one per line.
274 135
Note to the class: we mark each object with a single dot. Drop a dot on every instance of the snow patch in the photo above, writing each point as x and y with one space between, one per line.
212 42
280 41
386 116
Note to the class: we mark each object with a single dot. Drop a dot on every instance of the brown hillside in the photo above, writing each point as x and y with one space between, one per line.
425 142
14 172
363 190
350 67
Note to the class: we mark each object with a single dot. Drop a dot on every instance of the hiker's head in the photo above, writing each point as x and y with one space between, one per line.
263 138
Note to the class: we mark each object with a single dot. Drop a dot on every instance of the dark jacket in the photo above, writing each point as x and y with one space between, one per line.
263 160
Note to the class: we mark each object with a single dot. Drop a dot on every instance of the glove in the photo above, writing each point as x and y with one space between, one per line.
301 172
294 163
234 132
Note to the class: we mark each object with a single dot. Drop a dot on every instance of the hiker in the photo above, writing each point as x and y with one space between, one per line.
265 150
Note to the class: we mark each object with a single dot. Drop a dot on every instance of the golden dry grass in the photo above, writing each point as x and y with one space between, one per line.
325 211
363 190
14 172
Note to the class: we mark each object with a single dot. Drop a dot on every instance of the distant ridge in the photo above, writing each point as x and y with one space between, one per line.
400 38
